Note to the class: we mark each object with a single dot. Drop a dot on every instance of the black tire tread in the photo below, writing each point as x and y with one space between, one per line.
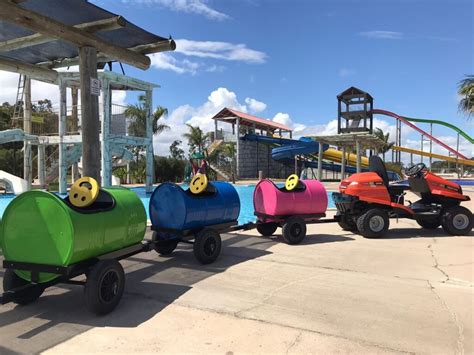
363 223
92 286
447 217
286 230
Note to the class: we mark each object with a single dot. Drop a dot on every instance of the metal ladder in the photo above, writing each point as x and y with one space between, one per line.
17 111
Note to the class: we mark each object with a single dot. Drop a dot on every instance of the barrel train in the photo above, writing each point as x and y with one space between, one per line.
90 230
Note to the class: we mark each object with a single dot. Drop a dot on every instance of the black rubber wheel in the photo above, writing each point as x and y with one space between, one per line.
11 281
457 220
347 222
165 246
294 230
104 286
373 223
267 229
207 245
429 223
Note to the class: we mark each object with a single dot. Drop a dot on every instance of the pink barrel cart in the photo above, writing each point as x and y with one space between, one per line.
291 207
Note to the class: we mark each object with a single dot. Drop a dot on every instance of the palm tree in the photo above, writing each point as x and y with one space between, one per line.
138 113
466 90
385 138
197 139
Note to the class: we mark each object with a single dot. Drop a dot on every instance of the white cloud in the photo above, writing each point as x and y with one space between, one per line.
345 72
381 34
220 50
198 7
255 106
165 61
204 50
200 116
284 118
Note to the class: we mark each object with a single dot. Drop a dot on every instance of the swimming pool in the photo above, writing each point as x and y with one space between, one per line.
245 193
464 182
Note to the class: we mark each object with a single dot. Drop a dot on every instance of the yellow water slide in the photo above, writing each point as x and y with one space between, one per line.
335 155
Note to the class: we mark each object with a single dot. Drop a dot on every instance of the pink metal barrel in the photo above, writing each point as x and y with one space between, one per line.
268 199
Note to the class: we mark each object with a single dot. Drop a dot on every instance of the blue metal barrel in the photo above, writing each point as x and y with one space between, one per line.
172 207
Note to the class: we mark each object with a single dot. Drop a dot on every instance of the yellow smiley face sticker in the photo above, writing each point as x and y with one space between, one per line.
198 184
84 192
292 182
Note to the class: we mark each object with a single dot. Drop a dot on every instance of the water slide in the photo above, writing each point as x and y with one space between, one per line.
12 183
433 155
424 133
286 149
442 123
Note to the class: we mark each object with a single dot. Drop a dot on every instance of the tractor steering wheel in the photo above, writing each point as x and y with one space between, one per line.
415 169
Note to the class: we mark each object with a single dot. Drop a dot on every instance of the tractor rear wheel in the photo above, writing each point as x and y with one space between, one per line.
457 220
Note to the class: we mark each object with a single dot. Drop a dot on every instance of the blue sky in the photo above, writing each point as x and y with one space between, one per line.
298 55
287 60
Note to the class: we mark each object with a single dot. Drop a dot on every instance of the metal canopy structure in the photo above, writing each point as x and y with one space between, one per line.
28 34
359 140
37 36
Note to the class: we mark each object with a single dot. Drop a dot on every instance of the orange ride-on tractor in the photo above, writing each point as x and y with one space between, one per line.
366 201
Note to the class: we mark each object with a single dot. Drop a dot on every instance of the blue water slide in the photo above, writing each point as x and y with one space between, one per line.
287 149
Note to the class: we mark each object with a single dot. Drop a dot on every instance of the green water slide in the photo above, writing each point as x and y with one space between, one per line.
446 124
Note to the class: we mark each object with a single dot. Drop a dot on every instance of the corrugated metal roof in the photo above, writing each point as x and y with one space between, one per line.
260 122
70 12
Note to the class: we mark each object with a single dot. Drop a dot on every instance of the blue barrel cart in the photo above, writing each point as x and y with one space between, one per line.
196 215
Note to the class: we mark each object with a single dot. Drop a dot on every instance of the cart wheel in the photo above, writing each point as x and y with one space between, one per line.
431 223
104 286
207 245
267 229
294 230
11 281
347 223
373 223
165 246
457 220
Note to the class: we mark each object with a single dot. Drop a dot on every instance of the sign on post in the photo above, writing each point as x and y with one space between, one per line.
95 87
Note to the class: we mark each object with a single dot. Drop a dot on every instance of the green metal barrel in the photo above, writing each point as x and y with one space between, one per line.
40 227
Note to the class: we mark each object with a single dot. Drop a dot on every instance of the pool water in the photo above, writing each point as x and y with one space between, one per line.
464 182
245 193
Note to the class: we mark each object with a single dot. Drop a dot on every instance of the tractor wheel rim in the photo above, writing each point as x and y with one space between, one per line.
376 223
460 221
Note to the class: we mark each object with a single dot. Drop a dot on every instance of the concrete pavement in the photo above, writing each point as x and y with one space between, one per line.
411 292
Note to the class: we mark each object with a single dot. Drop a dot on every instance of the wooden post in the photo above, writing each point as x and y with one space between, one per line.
149 148
215 129
359 157
343 163
89 114
27 159
320 161
74 128
41 170
106 163
62 131
237 134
